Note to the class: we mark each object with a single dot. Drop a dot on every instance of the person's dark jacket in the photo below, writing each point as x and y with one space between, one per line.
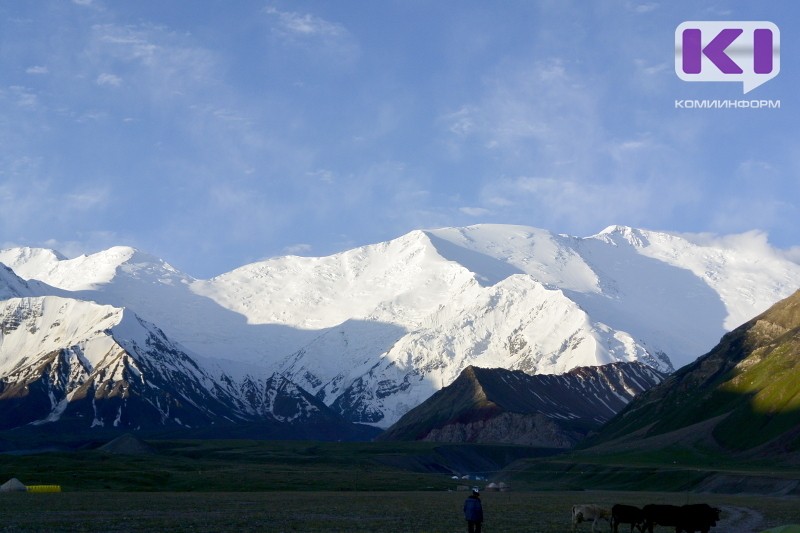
473 510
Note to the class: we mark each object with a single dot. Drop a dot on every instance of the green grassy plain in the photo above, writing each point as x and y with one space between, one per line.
194 485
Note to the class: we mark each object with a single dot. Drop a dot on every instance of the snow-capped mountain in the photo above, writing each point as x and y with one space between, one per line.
83 365
70 359
375 330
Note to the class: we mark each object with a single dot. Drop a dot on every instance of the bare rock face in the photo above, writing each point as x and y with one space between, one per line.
508 428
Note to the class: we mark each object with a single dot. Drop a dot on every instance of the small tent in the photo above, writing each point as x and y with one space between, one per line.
127 444
13 485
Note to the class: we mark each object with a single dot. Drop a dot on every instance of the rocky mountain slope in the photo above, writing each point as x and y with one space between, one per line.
374 331
512 407
79 365
743 395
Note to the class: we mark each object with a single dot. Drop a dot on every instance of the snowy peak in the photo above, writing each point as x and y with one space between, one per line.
617 235
20 256
494 252
92 365
87 272
375 282
33 327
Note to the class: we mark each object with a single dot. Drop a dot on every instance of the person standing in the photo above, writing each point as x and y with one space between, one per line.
473 511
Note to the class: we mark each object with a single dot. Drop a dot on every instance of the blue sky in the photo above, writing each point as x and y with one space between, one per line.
216 133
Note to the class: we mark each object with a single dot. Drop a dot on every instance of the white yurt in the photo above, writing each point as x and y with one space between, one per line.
13 485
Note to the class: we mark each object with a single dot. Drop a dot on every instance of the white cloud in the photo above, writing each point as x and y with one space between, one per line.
538 111
792 254
642 8
461 122
25 97
652 69
88 242
578 206
323 175
297 249
108 80
91 198
755 242
325 40
743 213
306 24
163 64
37 70
475 211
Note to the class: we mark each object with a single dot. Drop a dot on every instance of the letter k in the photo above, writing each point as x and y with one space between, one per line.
714 51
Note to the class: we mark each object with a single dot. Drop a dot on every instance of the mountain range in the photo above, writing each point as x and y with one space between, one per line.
367 334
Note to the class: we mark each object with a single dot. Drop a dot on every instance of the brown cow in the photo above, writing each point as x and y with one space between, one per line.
626 514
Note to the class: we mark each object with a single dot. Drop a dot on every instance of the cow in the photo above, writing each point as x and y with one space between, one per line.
663 515
626 514
586 512
697 517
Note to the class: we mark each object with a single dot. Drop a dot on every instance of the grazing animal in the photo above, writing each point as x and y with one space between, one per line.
626 514
697 517
587 512
663 515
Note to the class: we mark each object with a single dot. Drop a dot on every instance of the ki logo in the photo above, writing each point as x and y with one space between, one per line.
746 52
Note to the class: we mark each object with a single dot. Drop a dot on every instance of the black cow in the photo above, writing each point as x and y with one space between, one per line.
697 517
663 515
626 514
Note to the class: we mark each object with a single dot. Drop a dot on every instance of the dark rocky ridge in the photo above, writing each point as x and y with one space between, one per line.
504 406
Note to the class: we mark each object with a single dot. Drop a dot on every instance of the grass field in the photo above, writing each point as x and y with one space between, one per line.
193 485
229 465
390 512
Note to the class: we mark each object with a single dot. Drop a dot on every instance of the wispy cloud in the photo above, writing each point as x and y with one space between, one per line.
460 122
37 70
298 249
88 242
529 111
306 24
328 40
161 62
558 160
110 80
642 7
24 97
475 211
90 198
755 242
793 254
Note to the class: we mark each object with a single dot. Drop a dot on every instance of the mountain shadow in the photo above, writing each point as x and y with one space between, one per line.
682 315
488 270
